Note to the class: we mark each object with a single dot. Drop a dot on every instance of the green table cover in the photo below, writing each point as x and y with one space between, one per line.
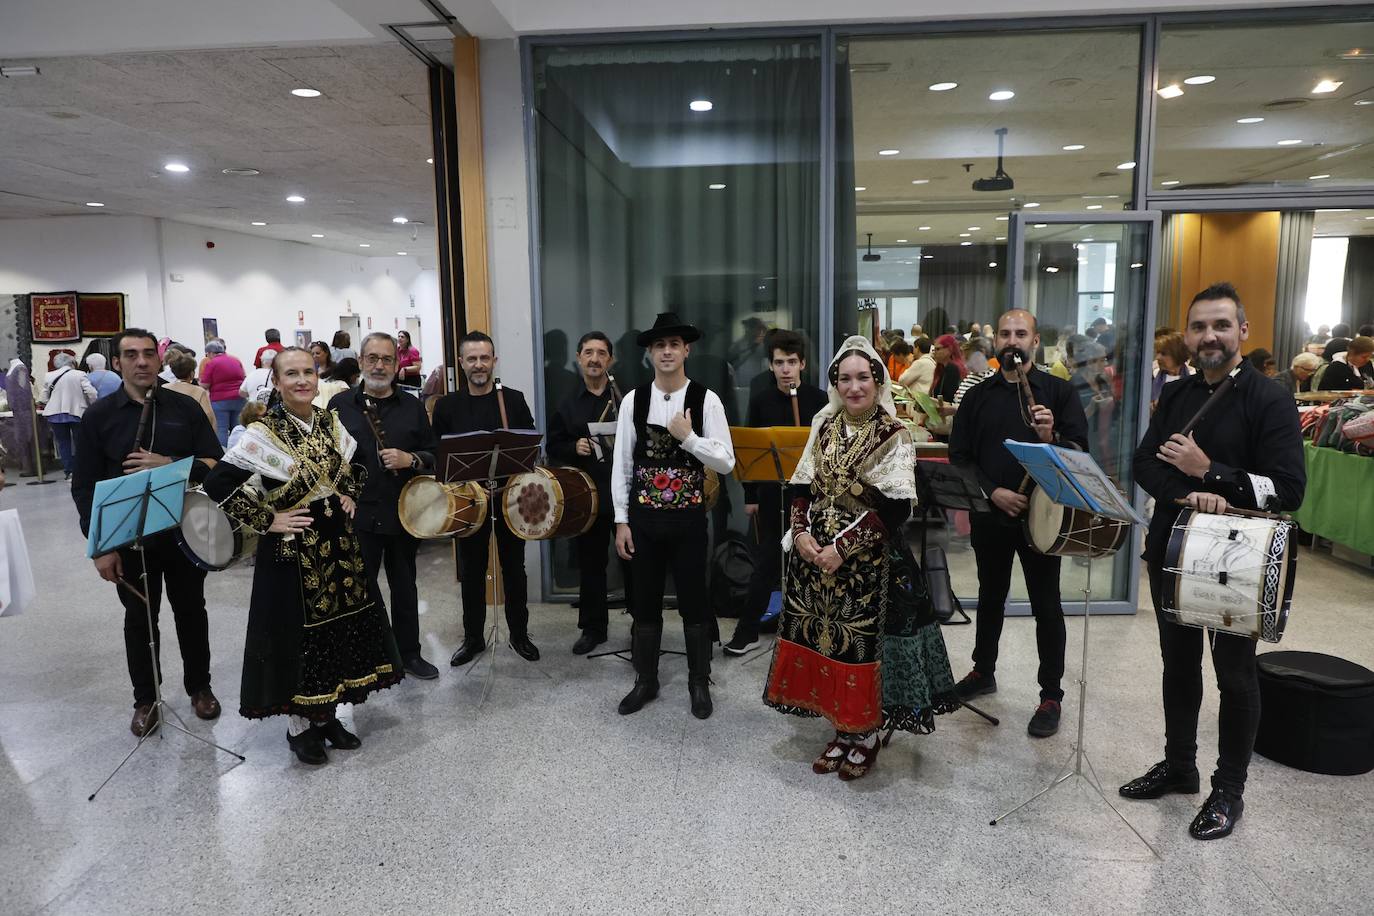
1339 503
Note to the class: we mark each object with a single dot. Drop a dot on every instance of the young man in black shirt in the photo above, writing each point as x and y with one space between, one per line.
482 407
407 449
992 411
597 400
1248 453
787 402
177 428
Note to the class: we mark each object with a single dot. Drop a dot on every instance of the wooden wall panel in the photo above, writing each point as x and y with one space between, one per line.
471 187
1242 248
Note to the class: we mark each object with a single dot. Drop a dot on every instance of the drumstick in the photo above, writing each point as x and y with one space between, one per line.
1246 513
1221 389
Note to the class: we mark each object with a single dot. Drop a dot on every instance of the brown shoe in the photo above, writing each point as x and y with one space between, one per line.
851 771
205 704
145 720
828 761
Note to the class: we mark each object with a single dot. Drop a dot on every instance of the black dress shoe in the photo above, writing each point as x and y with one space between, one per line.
416 666
1218 816
309 747
524 648
642 692
338 736
469 650
1162 779
588 641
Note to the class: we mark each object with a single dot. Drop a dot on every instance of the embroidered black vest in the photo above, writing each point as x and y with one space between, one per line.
666 476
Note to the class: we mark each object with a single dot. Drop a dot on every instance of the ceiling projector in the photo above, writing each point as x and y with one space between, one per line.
1000 181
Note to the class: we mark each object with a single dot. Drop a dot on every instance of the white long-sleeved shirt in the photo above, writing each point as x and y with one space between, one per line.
713 448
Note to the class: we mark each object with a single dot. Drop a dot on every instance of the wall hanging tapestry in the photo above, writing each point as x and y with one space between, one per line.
54 317
100 314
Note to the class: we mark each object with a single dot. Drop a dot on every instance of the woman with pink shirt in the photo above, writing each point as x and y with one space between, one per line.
221 376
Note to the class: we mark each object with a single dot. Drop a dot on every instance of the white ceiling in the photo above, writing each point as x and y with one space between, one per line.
101 129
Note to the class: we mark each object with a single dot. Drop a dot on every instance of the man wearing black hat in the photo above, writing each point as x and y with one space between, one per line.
669 431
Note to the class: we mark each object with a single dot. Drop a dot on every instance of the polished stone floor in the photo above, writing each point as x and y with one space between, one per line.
515 788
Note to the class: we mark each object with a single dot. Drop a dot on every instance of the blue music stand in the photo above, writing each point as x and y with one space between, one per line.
124 511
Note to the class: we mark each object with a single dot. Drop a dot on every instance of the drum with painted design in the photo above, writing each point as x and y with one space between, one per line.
549 503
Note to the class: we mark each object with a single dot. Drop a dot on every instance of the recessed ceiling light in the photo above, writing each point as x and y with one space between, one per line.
927 257
295 199
700 105
859 187
1200 80
399 220
177 167
1289 142
1170 183
920 181
1001 95
1326 86
1093 207
1003 219
900 241
1090 240
1137 265
94 203
1125 166
715 187
888 152
257 222
1030 206
1317 177
1073 147
364 245
1041 225
1051 270
943 87
401 253
317 235
1170 92
1335 210
922 228
1001 238
14 71
992 263
965 244
240 173
429 161
974 228
1364 101
1248 120
306 93
963 235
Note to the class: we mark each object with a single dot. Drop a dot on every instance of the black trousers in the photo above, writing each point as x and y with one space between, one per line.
472 559
669 540
593 557
1233 659
185 586
395 552
995 542
767 576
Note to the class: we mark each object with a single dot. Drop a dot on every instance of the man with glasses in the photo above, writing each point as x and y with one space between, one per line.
407 449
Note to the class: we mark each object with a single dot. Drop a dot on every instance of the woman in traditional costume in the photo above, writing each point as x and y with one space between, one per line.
315 637
858 643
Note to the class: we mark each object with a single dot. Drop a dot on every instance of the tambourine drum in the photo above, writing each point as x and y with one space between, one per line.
430 508
1230 573
1060 531
209 537
549 503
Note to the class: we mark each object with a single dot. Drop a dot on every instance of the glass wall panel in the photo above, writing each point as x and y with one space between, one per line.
677 176
1280 105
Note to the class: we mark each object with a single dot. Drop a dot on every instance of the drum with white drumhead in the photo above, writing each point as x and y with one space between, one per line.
1060 531
209 537
549 503
430 508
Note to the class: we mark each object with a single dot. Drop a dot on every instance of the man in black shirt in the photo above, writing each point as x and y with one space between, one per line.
407 449
597 400
1247 452
992 411
177 428
787 402
481 406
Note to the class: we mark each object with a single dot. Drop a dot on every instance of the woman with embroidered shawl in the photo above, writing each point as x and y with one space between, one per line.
858 643
315 637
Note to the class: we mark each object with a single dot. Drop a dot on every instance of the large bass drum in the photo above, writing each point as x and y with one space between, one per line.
209 537
430 508
549 503
1060 531
1230 573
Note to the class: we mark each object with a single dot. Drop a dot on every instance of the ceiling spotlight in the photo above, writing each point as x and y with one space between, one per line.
1051 270
1030 206
1073 147
306 93
943 87
295 199
240 173
1289 142
1248 120
888 152
1200 80
1326 86
700 105
94 203
317 235
1172 91
927 257
401 253
1170 183
1003 219
859 187
364 245
992 263
1317 177
1125 166
920 181
922 228
257 223
399 220
1001 95
974 228
1137 265
1093 207
715 187
1041 225
965 244
963 235
429 161
177 167
1001 238
900 241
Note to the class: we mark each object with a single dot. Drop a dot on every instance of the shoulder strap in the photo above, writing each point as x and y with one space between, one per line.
642 395
696 403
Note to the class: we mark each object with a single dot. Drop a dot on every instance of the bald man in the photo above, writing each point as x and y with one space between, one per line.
991 412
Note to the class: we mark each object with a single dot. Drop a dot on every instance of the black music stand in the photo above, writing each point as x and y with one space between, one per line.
487 458
941 486
1073 479
126 510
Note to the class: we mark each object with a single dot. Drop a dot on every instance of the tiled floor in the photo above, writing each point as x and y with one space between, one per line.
524 792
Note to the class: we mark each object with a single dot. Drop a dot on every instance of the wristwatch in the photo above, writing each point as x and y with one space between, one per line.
414 462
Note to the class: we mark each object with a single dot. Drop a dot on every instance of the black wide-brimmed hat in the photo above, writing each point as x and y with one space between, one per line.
667 324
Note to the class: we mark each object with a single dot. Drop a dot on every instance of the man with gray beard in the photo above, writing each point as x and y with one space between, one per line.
406 449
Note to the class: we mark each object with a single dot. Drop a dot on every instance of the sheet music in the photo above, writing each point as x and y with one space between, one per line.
603 439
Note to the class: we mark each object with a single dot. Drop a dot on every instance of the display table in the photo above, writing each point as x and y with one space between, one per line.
1339 503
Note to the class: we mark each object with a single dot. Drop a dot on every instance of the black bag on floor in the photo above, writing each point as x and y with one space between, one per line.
941 590
732 566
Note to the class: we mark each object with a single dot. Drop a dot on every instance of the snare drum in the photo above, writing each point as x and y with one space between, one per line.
549 503
1060 531
430 508
1230 573
209 537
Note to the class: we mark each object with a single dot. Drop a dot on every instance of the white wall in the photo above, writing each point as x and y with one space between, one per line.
246 283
